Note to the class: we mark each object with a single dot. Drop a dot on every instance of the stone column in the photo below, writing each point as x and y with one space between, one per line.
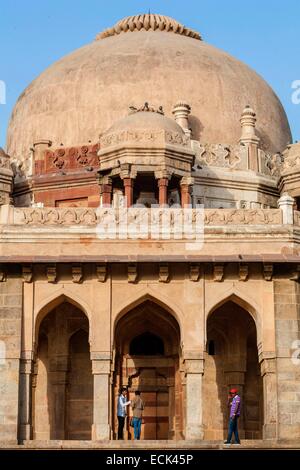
11 301
194 369
128 191
6 179
286 204
268 372
101 415
58 380
172 412
25 417
249 137
39 150
163 191
186 189
106 191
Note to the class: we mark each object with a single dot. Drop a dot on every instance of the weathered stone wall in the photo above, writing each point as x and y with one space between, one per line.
287 301
10 337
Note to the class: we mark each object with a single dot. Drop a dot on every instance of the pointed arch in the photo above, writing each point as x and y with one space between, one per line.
244 302
155 297
53 301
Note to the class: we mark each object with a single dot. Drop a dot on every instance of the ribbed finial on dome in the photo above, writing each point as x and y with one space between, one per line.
249 137
148 22
248 120
181 111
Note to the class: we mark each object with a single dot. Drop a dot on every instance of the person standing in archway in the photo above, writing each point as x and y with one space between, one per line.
121 412
234 403
138 407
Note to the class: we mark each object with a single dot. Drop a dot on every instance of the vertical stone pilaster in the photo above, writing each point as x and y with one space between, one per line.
268 372
25 412
58 378
286 204
101 365
194 369
172 412
10 342
287 308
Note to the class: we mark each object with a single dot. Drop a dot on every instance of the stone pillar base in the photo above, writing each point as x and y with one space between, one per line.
100 432
25 432
194 433
269 431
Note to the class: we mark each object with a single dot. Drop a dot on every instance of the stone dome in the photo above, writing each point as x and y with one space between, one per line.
144 126
145 120
138 60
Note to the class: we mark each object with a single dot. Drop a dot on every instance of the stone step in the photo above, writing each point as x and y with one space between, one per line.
147 444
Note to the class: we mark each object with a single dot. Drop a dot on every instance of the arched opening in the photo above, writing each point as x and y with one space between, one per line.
79 406
234 363
63 385
147 343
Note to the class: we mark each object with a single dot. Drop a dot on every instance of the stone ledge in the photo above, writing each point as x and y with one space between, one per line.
163 444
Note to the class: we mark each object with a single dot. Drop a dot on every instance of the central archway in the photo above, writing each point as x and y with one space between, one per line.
147 354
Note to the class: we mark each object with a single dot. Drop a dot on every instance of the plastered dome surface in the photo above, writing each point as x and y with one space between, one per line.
84 93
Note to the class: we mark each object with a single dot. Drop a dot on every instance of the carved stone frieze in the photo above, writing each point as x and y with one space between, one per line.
291 157
146 136
65 159
242 216
4 160
273 163
113 218
56 216
221 155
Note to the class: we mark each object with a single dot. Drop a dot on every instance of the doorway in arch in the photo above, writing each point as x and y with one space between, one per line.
231 360
147 340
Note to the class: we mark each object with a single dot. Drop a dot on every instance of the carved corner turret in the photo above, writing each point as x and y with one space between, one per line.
6 178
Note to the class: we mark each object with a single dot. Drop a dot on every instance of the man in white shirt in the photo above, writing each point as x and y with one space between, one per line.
121 413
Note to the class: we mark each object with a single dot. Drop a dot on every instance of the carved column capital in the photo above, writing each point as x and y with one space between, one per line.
243 272
51 273
218 272
3 273
27 272
268 271
132 272
77 273
195 272
101 271
164 274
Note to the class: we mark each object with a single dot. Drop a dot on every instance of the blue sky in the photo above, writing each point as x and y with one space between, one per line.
262 33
